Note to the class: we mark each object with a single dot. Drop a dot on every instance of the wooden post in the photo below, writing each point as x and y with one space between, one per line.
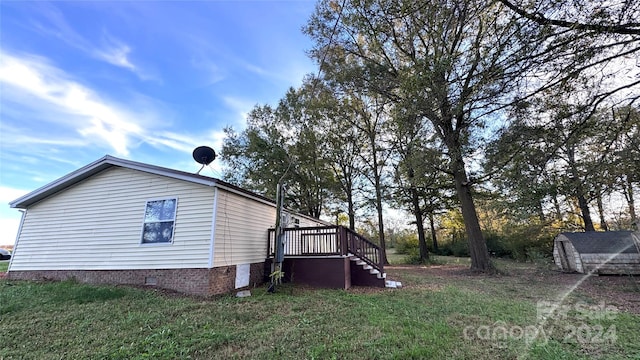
342 238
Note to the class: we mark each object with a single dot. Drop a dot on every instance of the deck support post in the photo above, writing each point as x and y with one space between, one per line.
343 240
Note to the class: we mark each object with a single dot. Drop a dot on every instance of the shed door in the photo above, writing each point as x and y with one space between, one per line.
562 252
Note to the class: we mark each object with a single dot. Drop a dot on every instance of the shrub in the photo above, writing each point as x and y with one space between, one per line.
458 248
521 243
530 242
538 257
496 245
407 244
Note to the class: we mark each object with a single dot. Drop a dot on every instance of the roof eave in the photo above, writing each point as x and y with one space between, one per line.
61 183
93 168
109 161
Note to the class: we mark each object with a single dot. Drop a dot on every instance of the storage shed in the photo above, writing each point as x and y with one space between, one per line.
609 252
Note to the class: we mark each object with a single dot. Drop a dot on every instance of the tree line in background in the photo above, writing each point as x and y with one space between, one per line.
520 119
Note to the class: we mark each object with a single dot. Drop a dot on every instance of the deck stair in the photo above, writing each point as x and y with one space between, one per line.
373 272
310 251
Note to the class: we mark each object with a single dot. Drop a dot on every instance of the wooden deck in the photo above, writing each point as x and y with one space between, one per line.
328 256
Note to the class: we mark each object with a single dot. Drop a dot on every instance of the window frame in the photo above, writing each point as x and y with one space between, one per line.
145 222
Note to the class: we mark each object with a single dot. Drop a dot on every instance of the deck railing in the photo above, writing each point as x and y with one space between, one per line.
326 241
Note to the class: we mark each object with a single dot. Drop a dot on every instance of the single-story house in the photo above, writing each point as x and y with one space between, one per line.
118 221
608 252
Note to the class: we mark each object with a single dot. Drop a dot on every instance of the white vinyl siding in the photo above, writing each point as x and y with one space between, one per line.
241 229
308 222
96 225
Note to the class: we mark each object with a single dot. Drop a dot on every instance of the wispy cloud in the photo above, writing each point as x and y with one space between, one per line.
15 137
257 70
53 23
81 115
184 142
108 49
211 72
288 69
95 117
115 53
175 141
240 106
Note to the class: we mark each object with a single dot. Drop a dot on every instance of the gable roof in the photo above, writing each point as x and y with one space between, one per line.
110 161
603 242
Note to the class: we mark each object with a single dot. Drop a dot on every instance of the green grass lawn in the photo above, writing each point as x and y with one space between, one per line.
4 265
438 314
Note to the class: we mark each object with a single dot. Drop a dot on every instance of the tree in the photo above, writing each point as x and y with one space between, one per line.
627 157
584 74
371 119
582 62
584 53
599 19
282 143
419 183
257 157
561 153
517 160
453 62
342 143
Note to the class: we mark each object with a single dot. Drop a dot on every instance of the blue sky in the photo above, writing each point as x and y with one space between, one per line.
143 80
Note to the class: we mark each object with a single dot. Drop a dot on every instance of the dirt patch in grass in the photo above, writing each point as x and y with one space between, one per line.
620 291
526 281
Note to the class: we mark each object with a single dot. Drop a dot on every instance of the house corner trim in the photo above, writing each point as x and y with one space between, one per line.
213 226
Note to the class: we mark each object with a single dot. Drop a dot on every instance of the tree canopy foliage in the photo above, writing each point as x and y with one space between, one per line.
285 142
529 106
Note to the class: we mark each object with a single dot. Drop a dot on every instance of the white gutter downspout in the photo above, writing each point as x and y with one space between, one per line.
213 225
15 246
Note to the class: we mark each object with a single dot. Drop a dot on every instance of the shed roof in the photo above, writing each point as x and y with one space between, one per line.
110 161
603 242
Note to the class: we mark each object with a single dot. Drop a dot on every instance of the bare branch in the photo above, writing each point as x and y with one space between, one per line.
632 28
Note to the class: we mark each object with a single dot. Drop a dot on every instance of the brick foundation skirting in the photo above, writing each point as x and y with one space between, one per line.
203 282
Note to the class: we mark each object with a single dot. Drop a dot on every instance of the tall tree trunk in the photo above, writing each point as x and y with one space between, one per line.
352 217
541 215
631 204
377 184
417 211
480 260
579 191
556 206
584 210
383 245
434 237
603 222
477 245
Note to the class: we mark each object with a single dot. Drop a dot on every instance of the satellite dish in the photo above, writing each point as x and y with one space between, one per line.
203 155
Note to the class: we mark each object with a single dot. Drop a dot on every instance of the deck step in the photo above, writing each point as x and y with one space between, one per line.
372 270
393 284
